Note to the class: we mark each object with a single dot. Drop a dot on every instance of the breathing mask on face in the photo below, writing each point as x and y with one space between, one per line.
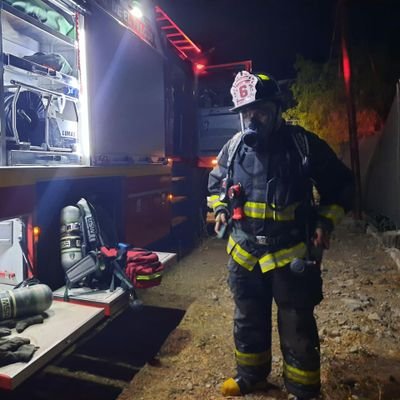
260 123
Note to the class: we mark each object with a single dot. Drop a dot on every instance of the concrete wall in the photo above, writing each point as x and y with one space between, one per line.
382 189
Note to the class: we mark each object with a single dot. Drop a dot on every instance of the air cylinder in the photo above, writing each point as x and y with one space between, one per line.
25 301
71 236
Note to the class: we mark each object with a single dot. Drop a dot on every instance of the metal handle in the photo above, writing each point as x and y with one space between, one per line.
41 90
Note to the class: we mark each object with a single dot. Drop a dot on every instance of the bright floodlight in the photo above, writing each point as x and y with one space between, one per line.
136 11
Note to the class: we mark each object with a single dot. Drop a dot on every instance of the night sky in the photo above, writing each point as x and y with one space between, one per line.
273 32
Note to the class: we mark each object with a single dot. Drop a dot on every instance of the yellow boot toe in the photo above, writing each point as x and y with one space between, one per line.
231 388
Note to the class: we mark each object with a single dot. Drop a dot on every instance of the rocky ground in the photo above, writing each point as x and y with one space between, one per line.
359 326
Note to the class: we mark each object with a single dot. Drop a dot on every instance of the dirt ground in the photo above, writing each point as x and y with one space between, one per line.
359 326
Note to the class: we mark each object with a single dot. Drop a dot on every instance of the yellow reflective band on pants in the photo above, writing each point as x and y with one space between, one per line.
267 262
241 256
253 359
253 209
333 212
282 257
300 376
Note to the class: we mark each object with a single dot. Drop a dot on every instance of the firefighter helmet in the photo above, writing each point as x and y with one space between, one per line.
250 89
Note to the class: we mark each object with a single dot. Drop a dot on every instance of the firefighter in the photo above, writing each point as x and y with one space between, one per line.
264 187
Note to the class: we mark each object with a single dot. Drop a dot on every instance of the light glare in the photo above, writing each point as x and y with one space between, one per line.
136 12
85 144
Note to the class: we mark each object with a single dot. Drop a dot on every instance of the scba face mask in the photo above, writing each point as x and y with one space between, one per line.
260 123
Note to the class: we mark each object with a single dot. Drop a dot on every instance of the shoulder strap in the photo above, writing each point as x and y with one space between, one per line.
301 142
90 225
232 150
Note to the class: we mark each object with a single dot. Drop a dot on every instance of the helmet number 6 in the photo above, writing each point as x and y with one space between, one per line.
243 91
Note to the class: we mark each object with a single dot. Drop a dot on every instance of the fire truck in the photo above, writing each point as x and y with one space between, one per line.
98 102
216 123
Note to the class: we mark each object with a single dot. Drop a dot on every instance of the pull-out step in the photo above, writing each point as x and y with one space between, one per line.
65 323
109 302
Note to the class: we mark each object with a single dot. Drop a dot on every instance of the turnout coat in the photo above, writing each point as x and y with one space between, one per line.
289 187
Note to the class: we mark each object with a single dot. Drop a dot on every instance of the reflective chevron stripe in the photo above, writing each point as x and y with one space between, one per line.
213 202
253 359
333 212
241 256
267 262
282 257
264 211
254 210
300 376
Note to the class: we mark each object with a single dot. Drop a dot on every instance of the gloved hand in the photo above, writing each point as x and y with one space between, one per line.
24 323
321 238
221 221
5 332
12 344
8 323
16 350
25 352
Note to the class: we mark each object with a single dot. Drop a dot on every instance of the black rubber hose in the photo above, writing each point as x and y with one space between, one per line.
31 122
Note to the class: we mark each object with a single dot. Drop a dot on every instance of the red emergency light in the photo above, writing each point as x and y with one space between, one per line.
199 67
346 66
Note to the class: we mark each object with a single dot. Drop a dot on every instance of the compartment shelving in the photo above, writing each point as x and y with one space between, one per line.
31 27
15 64
40 59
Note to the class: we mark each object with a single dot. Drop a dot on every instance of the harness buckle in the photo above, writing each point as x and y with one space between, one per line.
262 240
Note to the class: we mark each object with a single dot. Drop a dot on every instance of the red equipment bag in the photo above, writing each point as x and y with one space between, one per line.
143 267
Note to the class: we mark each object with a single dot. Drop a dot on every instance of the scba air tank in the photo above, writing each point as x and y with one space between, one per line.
25 301
71 236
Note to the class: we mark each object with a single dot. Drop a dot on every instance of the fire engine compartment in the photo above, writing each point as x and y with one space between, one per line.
41 84
65 80
49 73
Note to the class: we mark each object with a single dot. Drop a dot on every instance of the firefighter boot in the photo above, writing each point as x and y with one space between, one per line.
239 387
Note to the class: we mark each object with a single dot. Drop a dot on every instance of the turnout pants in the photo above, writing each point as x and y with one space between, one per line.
295 297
